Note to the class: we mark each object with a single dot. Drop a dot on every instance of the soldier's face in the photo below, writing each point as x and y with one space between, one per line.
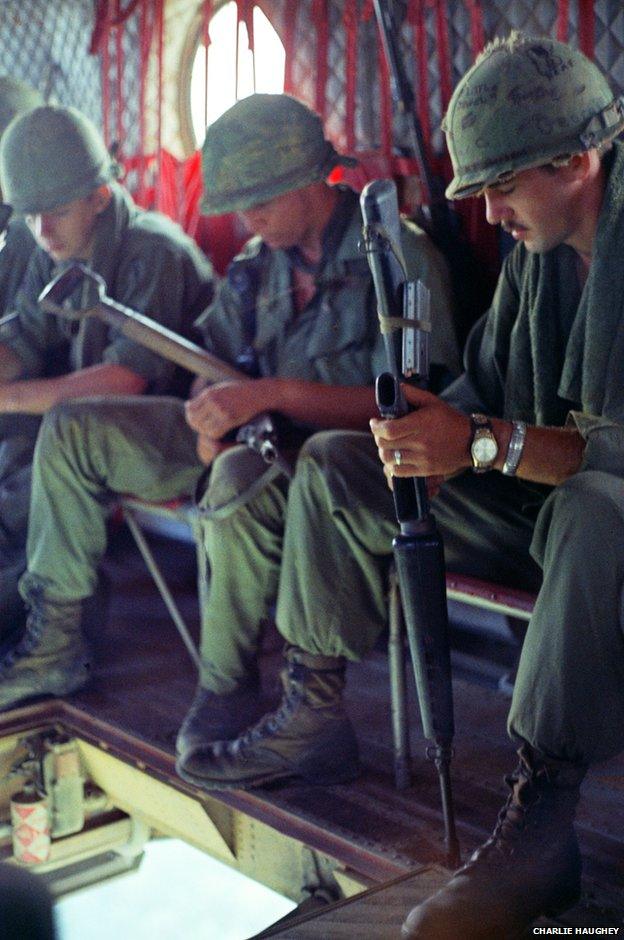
282 222
67 232
534 207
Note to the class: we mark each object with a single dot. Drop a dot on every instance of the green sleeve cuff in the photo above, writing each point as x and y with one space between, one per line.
604 442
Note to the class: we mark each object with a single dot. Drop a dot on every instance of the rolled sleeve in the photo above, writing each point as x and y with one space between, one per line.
604 438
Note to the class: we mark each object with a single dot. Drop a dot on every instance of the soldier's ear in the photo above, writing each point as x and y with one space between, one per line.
101 197
579 165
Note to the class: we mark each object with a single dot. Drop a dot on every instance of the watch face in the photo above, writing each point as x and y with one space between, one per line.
484 450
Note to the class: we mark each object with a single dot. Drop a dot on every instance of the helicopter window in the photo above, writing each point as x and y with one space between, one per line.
225 63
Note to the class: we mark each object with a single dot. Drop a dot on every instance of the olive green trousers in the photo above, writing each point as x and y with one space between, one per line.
315 550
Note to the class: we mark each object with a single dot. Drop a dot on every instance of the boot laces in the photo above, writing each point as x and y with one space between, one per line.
513 818
26 645
272 723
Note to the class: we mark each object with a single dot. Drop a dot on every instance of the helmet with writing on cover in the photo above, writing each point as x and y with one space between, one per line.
262 147
526 102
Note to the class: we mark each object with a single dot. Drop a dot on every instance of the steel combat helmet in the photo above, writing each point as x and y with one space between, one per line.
263 146
524 103
50 156
16 97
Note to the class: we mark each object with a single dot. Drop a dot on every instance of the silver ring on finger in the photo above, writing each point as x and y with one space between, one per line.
398 456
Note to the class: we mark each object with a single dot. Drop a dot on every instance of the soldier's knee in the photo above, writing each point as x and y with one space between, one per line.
59 424
236 475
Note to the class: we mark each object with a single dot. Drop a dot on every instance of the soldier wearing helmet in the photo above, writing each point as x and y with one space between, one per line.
57 175
16 242
298 308
532 129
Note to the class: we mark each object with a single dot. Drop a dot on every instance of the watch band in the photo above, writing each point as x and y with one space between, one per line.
515 448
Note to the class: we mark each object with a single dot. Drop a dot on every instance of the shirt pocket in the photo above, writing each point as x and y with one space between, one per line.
341 342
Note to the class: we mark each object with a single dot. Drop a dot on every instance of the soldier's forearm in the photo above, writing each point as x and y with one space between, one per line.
550 455
325 406
10 364
36 396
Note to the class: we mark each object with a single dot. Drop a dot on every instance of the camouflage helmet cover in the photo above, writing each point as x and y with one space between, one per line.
15 97
263 146
524 103
50 156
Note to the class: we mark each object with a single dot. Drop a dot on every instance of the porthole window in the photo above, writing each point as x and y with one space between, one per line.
222 71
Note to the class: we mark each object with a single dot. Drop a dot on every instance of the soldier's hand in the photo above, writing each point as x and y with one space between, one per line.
226 405
208 448
431 441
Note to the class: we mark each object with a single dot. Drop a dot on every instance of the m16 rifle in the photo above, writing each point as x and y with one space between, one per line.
260 435
418 549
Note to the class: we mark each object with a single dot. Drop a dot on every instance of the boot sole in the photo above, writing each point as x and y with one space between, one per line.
278 776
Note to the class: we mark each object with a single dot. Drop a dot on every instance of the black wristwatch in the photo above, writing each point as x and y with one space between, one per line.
483 444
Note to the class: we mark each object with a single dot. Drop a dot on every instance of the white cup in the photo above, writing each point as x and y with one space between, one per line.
30 821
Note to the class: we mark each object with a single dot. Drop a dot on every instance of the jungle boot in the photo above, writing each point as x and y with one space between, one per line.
309 735
51 658
530 866
220 717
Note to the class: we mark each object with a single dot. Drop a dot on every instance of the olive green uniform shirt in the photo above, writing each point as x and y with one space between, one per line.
14 258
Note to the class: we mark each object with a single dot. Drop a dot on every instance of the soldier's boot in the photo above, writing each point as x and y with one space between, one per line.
309 735
51 658
530 866
220 717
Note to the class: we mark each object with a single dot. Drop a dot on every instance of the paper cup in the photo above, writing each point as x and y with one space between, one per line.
30 821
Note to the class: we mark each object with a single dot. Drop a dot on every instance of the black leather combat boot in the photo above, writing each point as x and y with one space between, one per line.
309 736
51 658
530 866
220 717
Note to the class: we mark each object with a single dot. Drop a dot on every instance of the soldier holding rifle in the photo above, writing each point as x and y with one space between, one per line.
531 128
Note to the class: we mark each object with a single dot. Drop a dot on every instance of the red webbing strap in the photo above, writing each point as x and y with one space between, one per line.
385 104
121 16
145 44
444 57
101 23
192 192
106 85
563 20
160 39
368 11
119 63
350 24
417 19
289 49
586 28
320 17
477 34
